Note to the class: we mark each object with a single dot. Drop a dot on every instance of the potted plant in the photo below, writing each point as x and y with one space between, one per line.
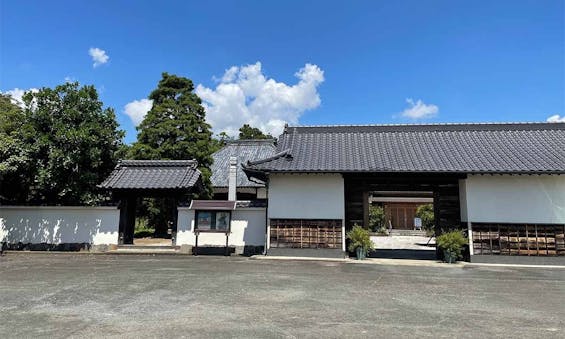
360 241
451 243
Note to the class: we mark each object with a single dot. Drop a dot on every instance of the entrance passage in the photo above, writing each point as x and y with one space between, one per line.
405 234
518 239
132 179
306 233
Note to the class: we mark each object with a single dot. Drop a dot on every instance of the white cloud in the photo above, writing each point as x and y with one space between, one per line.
137 109
18 93
246 96
99 56
419 110
556 118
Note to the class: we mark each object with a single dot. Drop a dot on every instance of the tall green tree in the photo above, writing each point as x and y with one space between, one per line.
174 129
247 132
70 139
14 156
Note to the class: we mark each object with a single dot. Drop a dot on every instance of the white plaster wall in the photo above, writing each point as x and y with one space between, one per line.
261 193
306 196
59 224
514 199
247 228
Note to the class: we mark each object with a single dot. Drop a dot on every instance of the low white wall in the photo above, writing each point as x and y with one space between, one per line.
306 196
59 224
247 229
513 198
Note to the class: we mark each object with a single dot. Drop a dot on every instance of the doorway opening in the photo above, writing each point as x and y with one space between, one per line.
155 221
402 224
397 197
148 219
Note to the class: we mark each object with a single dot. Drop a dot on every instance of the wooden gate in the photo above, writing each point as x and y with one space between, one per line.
305 233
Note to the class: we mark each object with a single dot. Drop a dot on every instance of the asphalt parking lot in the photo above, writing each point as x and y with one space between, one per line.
52 295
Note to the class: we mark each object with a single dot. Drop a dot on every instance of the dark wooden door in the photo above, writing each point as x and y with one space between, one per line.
400 215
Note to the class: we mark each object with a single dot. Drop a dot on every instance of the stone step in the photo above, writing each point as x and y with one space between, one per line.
413 233
134 251
147 247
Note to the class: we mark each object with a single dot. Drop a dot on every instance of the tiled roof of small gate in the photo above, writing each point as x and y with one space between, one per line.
153 174
462 148
244 150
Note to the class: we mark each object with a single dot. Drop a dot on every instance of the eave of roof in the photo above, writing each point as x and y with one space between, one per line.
484 148
153 175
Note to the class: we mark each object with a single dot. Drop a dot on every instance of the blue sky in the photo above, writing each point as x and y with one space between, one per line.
359 62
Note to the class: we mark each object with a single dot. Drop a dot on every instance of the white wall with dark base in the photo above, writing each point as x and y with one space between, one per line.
499 204
247 229
306 196
513 199
57 225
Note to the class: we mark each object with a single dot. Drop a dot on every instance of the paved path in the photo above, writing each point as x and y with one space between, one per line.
209 297
404 242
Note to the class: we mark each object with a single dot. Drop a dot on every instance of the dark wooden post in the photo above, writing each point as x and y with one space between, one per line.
121 229
437 217
127 219
366 210
174 226
195 250
130 220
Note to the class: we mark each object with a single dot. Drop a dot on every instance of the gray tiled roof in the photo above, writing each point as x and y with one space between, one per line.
153 174
463 148
244 150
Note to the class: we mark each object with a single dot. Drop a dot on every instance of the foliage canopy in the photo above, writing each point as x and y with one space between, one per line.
377 218
66 146
246 132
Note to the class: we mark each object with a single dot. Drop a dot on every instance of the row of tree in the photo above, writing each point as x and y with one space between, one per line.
60 143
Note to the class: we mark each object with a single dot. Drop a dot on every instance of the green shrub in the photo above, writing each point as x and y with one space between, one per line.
451 243
426 213
142 229
376 219
359 237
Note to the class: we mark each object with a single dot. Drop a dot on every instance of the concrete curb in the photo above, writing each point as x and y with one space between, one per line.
408 262
14 252
91 253
369 261
512 265
263 257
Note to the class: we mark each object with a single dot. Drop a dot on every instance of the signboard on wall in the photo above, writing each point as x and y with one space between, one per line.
213 221
222 220
204 220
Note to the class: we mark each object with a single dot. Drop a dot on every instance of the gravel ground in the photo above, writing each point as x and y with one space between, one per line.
52 295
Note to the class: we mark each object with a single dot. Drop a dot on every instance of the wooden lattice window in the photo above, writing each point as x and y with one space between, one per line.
518 239
305 233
